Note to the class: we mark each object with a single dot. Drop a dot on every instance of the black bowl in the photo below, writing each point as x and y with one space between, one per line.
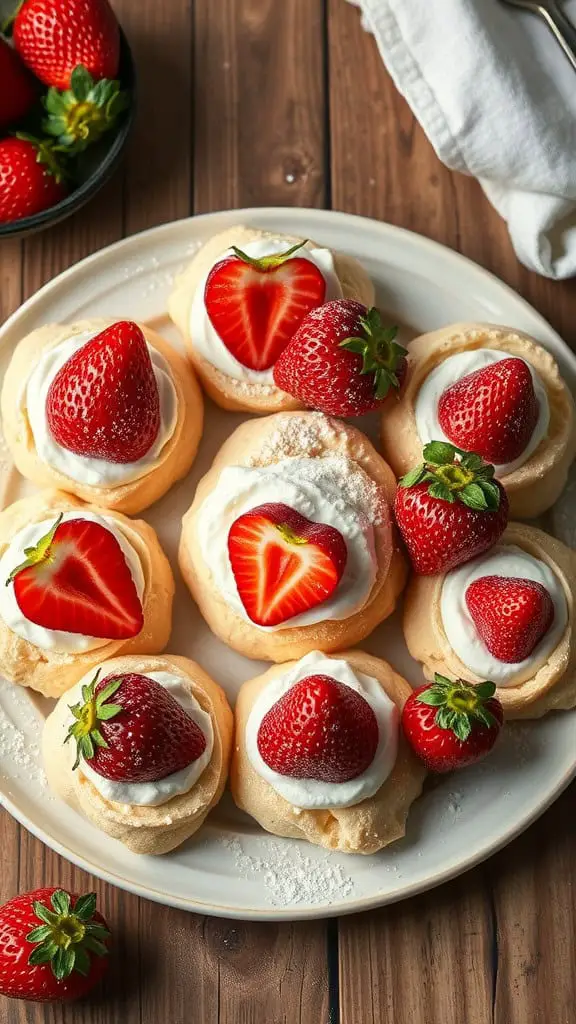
95 166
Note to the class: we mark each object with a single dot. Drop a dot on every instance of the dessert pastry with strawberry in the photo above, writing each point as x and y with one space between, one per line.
242 298
141 747
319 753
289 545
490 390
108 411
78 584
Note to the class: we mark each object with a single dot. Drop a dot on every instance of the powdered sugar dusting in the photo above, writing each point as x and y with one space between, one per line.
19 753
289 877
299 435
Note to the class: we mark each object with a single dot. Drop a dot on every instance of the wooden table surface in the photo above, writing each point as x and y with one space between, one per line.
286 102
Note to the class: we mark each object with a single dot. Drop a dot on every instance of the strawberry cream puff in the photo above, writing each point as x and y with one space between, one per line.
289 545
77 584
505 616
494 391
107 411
141 746
320 755
242 298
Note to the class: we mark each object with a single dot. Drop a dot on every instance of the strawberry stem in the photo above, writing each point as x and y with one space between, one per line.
93 709
67 935
459 704
455 475
41 552
381 354
265 263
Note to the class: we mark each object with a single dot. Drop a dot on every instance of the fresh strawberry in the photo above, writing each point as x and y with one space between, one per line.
511 615
143 736
54 36
255 305
283 564
17 90
30 178
452 724
104 403
320 729
76 579
492 411
53 946
449 509
342 360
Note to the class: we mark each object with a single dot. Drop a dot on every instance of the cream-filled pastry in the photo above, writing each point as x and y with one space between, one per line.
319 753
141 745
78 584
506 616
494 391
242 298
106 410
289 545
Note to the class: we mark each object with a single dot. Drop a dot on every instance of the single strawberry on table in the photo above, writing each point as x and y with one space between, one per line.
17 88
104 402
283 563
54 36
449 509
451 724
511 615
31 179
76 579
255 305
320 729
342 360
54 945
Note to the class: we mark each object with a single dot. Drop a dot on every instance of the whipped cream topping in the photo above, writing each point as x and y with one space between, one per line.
91 471
508 561
317 489
55 639
454 368
152 794
208 342
310 794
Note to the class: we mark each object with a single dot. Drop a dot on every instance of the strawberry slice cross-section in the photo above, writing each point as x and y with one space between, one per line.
76 579
283 563
256 305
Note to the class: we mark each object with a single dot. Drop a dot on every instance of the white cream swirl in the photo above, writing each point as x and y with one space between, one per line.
317 489
461 365
311 794
86 470
206 339
28 536
507 561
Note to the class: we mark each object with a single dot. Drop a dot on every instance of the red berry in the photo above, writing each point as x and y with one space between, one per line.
55 36
17 90
29 179
511 615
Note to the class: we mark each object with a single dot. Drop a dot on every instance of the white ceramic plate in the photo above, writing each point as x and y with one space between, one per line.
234 869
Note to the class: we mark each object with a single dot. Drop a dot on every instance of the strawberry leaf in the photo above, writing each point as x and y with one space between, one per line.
44 914
433 696
60 900
39 934
486 690
439 453
440 490
42 954
82 962
473 496
415 476
108 711
491 493
85 906
81 82
95 946
265 263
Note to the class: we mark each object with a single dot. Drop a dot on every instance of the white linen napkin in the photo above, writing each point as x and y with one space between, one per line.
497 98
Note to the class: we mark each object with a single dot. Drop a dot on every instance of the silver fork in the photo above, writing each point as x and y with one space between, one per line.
557 22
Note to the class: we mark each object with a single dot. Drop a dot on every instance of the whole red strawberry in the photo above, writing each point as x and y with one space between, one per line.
30 179
511 615
143 736
104 403
53 946
55 36
342 360
449 509
17 90
320 729
452 724
492 411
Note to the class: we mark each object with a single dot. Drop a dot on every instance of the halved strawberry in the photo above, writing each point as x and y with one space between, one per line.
511 615
256 305
76 579
283 564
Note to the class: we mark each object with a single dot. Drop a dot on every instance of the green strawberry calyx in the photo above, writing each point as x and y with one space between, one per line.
381 354
88 714
266 263
82 114
67 935
38 553
460 705
455 475
46 154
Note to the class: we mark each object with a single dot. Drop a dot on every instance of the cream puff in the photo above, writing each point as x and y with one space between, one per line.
141 747
289 545
106 410
494 391
242 298
506 616
78 584
319 753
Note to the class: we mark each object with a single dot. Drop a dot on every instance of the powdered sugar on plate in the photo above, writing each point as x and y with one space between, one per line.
289 877
19 752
